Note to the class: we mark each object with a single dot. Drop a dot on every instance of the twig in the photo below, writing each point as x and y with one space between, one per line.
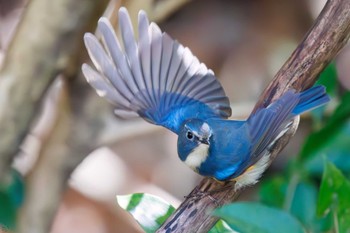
322 43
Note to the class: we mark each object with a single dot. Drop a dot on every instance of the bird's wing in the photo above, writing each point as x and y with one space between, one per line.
268 124
155 77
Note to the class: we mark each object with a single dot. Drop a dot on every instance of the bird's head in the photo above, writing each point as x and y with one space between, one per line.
194 142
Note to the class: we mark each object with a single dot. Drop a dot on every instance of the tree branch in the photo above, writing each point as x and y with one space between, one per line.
328 35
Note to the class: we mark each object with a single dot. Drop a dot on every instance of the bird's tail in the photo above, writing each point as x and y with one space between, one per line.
310 99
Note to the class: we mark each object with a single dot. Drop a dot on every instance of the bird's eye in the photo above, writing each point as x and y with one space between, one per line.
189 135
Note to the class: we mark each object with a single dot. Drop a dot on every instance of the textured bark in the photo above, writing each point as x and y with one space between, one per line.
322 43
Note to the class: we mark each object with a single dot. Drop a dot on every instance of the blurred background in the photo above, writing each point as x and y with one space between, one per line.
244 42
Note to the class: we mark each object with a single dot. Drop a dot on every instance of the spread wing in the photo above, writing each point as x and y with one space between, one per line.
155 77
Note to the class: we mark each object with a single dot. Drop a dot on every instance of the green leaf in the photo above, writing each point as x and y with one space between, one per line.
304 203
148 210
11 197
334 197
272 191
7 212
303 207
328 133
336 152
221 227
302 195
328 78
258 218
342 112
16 189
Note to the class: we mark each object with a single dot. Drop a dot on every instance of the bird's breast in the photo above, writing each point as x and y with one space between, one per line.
197 156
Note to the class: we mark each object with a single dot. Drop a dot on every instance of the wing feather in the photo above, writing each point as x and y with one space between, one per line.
103 88
156 48
119 60
154 77
113 47
167 51
144 47
268 122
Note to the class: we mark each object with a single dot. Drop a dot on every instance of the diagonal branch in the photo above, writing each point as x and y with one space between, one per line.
322 43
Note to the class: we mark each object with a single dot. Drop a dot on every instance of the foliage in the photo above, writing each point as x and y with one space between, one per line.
334 198
325 206
11 197
148 210
255 217
151 212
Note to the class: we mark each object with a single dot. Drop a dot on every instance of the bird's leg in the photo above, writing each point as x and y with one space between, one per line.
200 192
226 186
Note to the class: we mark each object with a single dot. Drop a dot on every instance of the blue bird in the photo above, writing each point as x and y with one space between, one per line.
158 79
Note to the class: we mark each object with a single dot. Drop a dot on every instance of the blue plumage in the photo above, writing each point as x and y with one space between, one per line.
161 81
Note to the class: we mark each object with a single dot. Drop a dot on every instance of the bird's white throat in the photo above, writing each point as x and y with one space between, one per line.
197 156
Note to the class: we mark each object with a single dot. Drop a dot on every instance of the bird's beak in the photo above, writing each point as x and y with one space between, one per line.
204 141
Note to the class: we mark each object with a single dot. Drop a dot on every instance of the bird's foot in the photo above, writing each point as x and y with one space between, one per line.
226 186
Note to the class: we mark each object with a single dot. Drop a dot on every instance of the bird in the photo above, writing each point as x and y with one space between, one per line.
158 79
